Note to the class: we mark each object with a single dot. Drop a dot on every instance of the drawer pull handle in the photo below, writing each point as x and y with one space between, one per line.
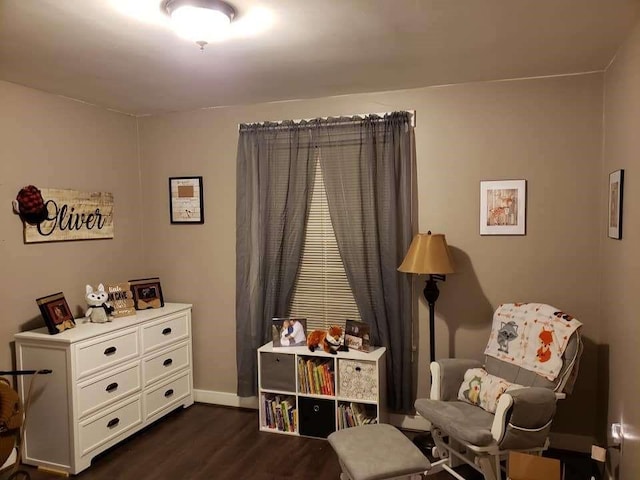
358 369
166 331
316 408
111 387
113 422
168 393
167 362
110 350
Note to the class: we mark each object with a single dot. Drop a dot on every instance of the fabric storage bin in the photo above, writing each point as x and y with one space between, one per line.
357 379
278 371
317 417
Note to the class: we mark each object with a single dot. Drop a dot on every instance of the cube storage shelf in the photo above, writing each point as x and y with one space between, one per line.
315 393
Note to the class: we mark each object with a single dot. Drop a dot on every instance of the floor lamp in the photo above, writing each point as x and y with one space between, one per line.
429 255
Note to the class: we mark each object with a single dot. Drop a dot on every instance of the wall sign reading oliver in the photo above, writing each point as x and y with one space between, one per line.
72 215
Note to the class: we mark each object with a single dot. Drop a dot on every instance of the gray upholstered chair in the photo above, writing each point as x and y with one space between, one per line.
465 432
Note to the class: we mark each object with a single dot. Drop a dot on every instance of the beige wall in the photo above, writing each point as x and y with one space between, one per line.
53 142
620 324
547 131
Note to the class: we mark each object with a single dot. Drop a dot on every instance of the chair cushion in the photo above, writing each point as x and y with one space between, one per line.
460 419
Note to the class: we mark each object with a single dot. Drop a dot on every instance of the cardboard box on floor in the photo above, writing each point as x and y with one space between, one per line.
523 466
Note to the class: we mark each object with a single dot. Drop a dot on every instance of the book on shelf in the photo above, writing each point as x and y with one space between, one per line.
357 335
288 332
315 377
279 413
353 415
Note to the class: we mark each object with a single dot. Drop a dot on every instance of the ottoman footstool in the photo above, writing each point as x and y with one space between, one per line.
377 452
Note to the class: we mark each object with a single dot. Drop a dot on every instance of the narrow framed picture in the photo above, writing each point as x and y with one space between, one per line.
186 202
56 313
147 293
503 207
616 190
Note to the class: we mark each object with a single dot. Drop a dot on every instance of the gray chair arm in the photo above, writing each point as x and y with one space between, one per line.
447 376
523 417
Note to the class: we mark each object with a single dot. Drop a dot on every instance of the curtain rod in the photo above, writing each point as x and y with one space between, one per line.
412 113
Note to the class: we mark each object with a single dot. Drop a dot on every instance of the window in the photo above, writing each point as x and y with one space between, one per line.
322 293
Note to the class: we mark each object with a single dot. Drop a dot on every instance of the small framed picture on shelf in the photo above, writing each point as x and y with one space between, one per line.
357 335
147 293
289 332
616 185
186 203
56 313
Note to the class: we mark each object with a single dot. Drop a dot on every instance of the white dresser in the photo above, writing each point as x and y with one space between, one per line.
109 380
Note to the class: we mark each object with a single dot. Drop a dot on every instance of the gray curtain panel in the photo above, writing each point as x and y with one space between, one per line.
367 165
275 173
367 168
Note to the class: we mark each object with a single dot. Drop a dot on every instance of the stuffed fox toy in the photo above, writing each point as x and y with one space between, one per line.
328 340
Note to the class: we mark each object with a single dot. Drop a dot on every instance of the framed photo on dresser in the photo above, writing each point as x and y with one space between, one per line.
56 313
147 293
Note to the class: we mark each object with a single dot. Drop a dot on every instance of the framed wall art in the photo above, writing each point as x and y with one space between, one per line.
147 293
186 202
503 207
56 313
616 187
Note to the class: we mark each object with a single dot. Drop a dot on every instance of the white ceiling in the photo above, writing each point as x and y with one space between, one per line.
89 50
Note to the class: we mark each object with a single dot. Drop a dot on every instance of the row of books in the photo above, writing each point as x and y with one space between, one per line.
280 413
315 377
353 415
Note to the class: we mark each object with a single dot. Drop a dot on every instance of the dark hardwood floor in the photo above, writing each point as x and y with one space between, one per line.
214 443
210 442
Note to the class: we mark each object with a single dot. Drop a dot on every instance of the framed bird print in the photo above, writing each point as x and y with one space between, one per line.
186 203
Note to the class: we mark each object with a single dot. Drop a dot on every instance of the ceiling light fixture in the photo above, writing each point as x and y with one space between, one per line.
201 21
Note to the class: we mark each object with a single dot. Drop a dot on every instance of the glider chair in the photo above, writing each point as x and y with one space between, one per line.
478 413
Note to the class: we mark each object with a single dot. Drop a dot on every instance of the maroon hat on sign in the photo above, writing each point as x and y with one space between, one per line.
31 205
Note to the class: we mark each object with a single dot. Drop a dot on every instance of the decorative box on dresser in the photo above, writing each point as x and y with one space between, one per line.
315 393
109 380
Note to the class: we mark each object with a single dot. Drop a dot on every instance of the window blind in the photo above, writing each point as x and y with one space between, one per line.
322 293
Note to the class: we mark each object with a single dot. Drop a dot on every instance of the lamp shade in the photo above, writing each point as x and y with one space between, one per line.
428 254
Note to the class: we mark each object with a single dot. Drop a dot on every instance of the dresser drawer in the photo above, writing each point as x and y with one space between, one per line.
95 356
165 332
165 363
104 390
357 380
100 430
166 394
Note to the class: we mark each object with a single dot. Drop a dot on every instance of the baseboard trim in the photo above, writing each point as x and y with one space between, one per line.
562 441
224 398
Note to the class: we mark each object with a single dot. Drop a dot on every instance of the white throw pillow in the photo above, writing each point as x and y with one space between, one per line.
483 389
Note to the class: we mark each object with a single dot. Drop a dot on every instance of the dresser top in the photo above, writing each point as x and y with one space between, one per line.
84 329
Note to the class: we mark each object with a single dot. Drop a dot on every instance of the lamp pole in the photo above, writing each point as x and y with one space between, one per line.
431 294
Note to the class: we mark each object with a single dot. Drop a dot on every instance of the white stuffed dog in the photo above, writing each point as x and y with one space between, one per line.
99 309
